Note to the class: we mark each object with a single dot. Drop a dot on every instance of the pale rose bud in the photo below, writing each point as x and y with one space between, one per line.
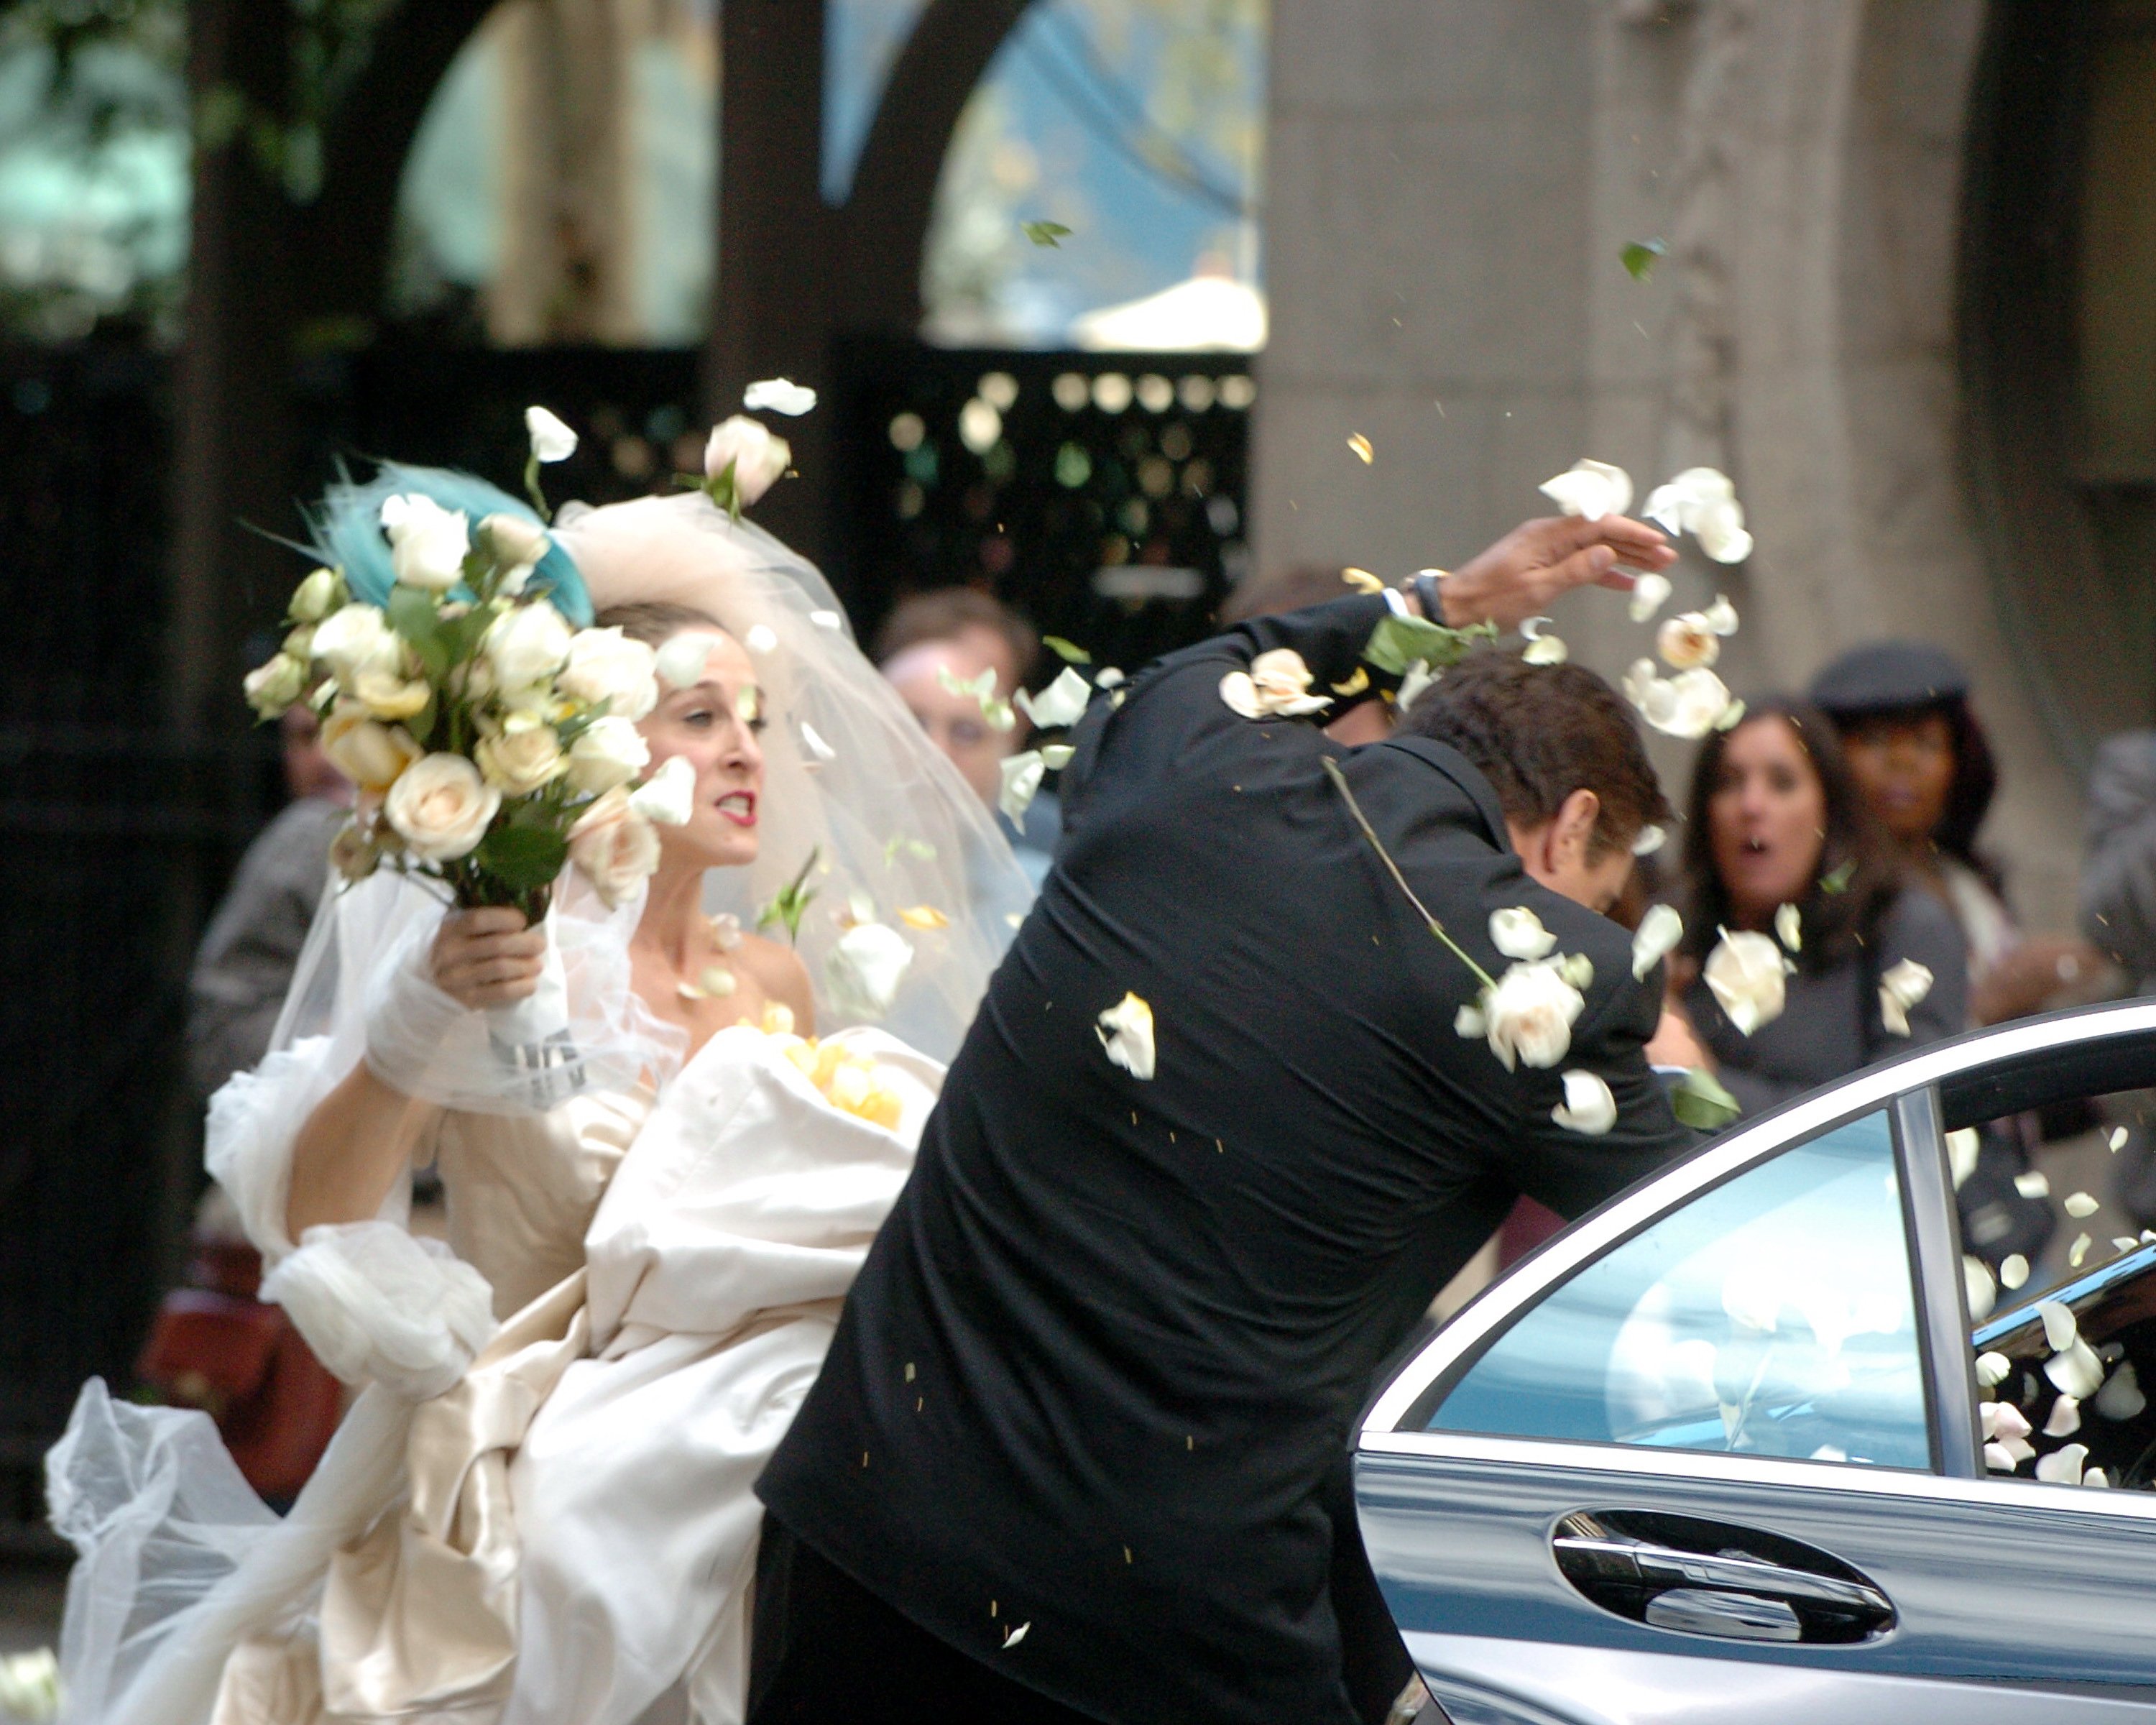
513 539
355 639
518 762
1746 973
526 645
373 755
427 543
313 598
614 848
441 808
609 751
865 969
606 666
551 439
388 694
756 457
1528 1016
1688 641
272 687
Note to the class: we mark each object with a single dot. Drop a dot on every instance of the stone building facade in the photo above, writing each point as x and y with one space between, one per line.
1879 280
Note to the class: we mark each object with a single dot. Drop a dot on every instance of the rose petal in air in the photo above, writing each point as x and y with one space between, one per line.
2066 1418
1656 937
2033 1183
2076 1372
2014 1272
1996 1458
779 395
1063 701
1648 840
2061 1331
2078 1204
761 639
1125 1032
819 752
2121 1398
1649 593
1588 1108
1021 783
1591 489
2063 1467
1018 1634
2078 1252
1982 1292
1361 445
1518 933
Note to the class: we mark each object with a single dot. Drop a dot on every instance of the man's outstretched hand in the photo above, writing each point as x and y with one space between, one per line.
1518 577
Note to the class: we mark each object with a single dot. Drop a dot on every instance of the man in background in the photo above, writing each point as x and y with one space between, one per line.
963 632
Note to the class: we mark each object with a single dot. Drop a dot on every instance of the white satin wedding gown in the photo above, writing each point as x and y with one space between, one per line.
568 1529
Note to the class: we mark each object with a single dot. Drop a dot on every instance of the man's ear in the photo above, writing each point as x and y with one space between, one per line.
1571 834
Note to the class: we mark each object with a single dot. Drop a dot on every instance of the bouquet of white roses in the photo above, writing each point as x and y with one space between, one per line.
492 742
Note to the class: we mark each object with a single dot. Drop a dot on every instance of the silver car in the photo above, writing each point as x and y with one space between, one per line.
1721 1451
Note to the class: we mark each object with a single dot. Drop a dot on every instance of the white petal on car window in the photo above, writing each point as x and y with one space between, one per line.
2014 1272
1993 1369
2066 1418
1997 1460
2121 1398
2063 1467
2060 1329
2076 1372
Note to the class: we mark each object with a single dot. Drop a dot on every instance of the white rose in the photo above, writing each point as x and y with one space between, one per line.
1062 702
1590 489
1902 987
1528 1016
1588 1108
607 753
386 693
865 968
606 666
273 686
427 543
614 848
311 598
1688 640
757 456
551 439
513 539
1745 972
1659 932
356 639
519 762
526 645
1126 1033
669 796
1518 933
373 755
1276 685
440 808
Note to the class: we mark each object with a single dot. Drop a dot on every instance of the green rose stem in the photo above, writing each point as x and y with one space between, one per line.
1340 784
531 488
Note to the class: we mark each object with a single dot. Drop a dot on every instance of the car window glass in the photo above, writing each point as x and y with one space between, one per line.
1773 1315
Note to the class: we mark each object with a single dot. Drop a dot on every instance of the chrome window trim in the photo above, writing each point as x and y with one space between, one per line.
1935 1267
1867 1092
1715 1467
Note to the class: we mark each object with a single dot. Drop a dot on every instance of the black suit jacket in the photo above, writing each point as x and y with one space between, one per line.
1102 1357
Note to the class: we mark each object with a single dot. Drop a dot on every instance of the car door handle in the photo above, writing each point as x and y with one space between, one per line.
1626 1573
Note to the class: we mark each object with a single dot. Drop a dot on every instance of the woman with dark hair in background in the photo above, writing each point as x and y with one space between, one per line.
1775 818
1923 763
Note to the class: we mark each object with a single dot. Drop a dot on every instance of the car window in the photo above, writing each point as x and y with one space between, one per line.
1773 1315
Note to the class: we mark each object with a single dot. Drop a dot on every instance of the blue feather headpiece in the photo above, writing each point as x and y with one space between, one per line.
347 532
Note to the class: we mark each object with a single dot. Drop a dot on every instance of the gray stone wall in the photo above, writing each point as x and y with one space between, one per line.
1450 183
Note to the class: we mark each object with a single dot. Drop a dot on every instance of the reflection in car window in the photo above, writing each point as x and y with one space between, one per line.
1772 1316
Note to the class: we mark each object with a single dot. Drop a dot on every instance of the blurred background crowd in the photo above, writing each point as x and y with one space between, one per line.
245 243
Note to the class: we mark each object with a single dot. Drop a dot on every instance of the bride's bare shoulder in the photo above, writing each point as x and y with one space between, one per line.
777 969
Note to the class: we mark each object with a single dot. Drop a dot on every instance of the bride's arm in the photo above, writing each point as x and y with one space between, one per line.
360 1137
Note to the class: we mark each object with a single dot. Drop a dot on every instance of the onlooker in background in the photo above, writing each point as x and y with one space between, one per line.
1921 759
246 959
2118 908
1291 590
965 631
1774 818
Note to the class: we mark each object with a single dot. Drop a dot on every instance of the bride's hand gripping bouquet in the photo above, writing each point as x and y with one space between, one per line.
492 742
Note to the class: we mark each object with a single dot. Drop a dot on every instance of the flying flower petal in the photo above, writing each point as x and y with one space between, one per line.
779 395
828 620
2060 1329
1056 755
923 916
865 969
1021 783
1977 1285
2062 1467
1963 1145
1417 678
681 660
2075 1372
1125 1032
668 797
1649 593
761 639
2015 1271
2033 1183
1745 974
1276 685
1993 1369
1591 489
1656 937
1790 928
1061 703
2066 1418
1588 1107
1362 580
1545 650
2006 1422
2097 1477
1722 616
551 439
1518 933
1361 445
2121 1398
1018 1634
820 753
2077 1253
1902 987
1648 840
2078 1204
718 981
1997 1460
1470 1022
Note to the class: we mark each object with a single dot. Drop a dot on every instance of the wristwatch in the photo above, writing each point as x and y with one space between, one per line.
1427 595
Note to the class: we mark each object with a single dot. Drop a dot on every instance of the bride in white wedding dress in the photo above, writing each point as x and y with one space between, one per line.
539 1508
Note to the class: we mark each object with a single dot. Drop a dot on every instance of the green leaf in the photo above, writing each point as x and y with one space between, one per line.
1642 255
1701 1102
524 857
1048 234
413 615
1838 880
1399 642
1070 652
793 901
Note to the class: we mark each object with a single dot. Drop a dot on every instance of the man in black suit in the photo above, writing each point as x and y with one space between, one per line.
1075 1452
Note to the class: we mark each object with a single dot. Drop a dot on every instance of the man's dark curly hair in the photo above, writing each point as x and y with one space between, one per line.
1539 733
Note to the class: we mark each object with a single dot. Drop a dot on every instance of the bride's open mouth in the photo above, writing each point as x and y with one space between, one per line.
739 807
